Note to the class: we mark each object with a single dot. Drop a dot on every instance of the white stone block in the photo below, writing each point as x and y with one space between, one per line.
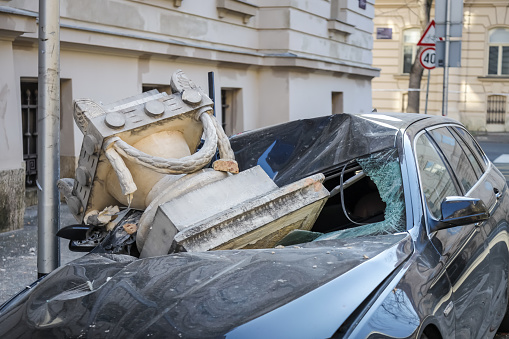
246 210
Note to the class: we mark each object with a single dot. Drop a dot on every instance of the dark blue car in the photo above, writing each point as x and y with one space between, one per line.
412 243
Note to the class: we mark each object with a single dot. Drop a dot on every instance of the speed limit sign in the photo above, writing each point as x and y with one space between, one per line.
427 58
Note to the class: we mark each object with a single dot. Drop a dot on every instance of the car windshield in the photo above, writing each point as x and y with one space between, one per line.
373 204
366 199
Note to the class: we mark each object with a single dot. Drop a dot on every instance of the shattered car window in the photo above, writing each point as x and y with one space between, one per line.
377 203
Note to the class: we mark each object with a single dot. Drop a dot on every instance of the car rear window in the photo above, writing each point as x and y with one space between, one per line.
471 157
474 147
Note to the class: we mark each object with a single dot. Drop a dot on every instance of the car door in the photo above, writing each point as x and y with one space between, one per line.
462 248
493 190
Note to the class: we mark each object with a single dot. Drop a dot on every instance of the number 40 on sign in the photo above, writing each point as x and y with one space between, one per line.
427 58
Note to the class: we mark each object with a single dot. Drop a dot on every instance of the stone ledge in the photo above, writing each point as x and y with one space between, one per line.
31 196
12 195
338 26
494 78
15 22
237 7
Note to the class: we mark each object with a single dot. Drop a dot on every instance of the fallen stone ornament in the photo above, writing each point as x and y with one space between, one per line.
141 153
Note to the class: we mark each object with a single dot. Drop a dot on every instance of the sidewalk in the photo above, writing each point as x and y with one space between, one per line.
18 253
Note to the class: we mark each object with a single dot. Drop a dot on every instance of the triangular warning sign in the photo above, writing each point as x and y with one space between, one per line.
428 38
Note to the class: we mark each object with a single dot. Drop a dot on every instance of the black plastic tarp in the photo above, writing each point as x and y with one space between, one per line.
297 149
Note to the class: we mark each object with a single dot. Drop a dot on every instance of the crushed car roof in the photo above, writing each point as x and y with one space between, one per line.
294 150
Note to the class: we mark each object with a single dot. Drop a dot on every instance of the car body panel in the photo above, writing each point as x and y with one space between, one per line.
465 256
468 261
417 296
329 305
496 232
390 286
203 294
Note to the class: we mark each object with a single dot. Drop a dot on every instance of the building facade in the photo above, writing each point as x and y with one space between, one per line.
273 61
478 90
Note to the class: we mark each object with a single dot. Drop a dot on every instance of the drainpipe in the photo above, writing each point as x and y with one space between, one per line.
48 162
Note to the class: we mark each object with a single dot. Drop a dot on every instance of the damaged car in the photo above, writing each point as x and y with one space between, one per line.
341 226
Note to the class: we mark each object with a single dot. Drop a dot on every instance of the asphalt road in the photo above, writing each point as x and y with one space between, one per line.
496 148
18 253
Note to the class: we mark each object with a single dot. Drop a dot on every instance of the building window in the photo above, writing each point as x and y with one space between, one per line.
498 59
337 102
231 106
29 126
410 38
496 109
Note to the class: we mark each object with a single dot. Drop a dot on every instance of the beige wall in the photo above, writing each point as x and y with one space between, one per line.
469 86
283 58
12 166
286 55
10 139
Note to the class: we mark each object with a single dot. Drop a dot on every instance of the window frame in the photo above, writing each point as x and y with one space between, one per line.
465 147
29 116
464 191
232 110
413 45
490 120
499 46
483 160
417 196
337 102
457 186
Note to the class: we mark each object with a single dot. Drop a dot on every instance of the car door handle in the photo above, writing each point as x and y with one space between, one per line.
498 194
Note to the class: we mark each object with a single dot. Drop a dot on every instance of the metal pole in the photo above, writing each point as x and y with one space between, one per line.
445 94
427 93
48 162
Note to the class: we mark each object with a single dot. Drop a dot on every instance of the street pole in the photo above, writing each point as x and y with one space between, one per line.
445 92
48 162
427 93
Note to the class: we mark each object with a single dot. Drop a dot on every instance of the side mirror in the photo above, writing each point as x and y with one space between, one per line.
459 211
